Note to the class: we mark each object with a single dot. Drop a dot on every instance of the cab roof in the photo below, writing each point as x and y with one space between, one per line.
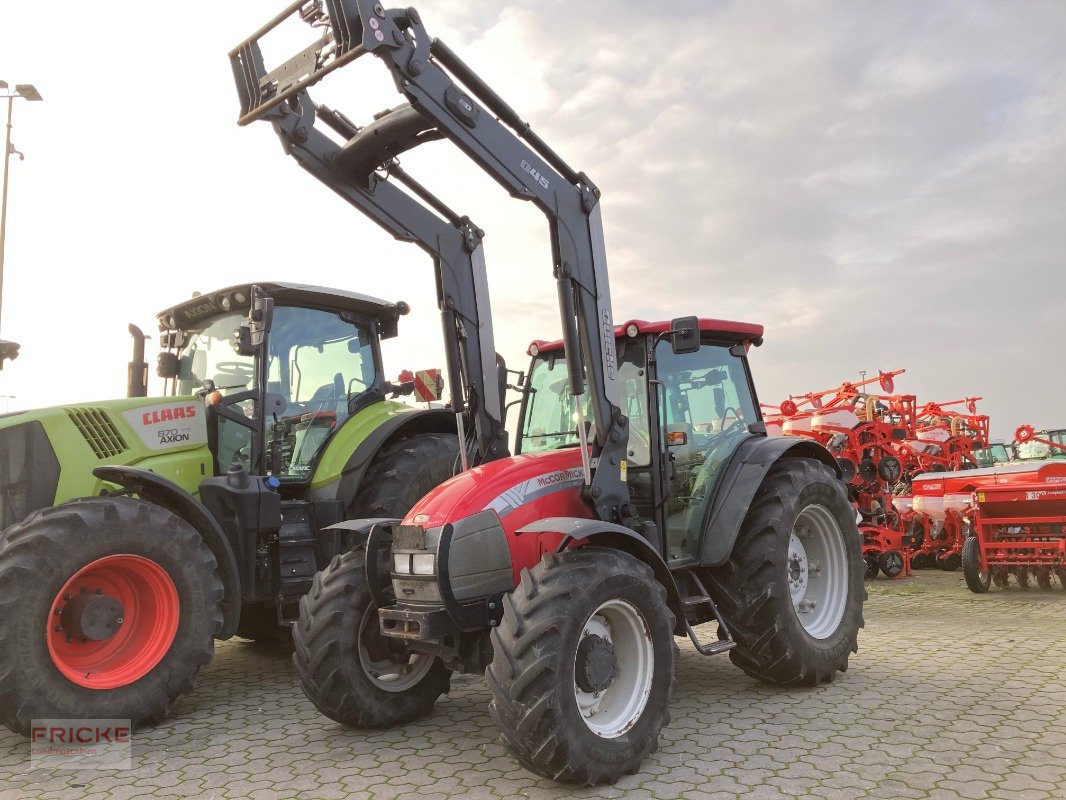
192 312
722 328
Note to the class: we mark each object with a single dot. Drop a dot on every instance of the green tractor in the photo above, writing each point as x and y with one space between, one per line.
136 532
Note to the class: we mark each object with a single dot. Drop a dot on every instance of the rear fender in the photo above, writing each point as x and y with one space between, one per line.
155 489
578 532
739 483
357 449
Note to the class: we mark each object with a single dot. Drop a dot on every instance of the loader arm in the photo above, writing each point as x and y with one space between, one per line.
458 105
454 243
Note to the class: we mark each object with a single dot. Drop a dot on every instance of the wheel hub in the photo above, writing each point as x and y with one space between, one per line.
816 570
595 667
92 616
798 568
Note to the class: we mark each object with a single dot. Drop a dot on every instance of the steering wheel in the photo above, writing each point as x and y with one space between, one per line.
723 428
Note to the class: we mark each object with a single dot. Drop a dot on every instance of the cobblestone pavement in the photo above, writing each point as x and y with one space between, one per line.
952 695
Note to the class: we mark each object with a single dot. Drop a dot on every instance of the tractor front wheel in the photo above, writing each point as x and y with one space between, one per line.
583 666
352 673
792 589
108 609
977 579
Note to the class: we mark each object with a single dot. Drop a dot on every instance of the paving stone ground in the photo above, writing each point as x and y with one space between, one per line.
952 695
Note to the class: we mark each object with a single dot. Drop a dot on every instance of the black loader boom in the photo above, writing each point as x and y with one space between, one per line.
447 99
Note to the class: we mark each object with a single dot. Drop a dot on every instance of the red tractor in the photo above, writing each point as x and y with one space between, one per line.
644 497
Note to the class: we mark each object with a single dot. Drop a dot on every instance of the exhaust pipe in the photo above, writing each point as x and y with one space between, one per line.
137 375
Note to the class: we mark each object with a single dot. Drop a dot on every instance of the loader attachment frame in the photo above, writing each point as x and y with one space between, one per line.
458 105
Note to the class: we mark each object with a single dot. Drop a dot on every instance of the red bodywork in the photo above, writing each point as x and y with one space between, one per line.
1022 526
746 331
526 488
522 489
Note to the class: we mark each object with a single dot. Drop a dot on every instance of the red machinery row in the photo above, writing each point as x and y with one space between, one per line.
921 496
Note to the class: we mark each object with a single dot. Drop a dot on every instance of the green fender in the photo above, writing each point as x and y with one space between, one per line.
353 448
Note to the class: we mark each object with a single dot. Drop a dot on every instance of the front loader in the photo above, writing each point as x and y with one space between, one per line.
644 497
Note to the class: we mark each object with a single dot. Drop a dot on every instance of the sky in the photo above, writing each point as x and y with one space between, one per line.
880 184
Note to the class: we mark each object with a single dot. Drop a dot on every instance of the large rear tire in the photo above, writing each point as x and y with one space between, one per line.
349 671
108 609
583 666
792 589
403 473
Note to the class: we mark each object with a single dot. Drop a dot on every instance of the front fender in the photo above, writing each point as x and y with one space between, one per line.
617 537
155 489
740 481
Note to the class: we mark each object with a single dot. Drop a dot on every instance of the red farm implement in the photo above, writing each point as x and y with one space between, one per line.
1019 530
909 468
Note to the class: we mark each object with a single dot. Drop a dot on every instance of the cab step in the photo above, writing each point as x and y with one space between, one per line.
699 597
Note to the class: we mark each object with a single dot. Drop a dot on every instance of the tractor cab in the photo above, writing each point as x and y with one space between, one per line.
280 366
1042 445
689 409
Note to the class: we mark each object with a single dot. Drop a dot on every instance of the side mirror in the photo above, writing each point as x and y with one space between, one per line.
685 335
166 365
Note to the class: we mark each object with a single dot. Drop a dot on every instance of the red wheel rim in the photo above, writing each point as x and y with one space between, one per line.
148 625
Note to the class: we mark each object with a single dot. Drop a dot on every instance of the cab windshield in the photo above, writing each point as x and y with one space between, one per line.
208 354
316 362
551 411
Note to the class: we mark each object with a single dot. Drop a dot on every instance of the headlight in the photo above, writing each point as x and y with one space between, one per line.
401 562
422 563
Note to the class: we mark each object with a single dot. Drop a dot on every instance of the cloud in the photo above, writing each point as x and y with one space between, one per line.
879 184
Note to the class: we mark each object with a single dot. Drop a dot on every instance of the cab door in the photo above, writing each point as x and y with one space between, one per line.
706 405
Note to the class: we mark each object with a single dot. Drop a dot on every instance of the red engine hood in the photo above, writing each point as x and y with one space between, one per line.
520 489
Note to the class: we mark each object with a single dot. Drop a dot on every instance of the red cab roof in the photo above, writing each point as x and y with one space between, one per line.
727 329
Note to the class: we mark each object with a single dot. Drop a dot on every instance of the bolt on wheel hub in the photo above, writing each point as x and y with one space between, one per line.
595 667
817 571
92 616
613 668
113 621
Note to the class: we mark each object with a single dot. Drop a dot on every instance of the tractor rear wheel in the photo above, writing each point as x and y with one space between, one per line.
108 609
403 473
792 589
583 666
977 579
349 671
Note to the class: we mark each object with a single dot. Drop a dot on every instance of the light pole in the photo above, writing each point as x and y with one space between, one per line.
27 91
